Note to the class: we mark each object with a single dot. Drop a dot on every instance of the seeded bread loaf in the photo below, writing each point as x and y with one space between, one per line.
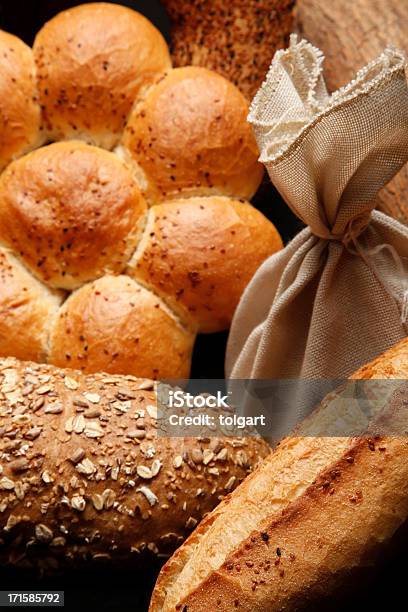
236 38
317 510
84 475
115 259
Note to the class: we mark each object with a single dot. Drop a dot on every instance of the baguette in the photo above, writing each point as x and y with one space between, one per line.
84 476
311 515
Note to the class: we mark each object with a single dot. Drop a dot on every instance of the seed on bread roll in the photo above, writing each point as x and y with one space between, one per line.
92 63
190 136
27 309
71 212
20 113
313 514
84 476
231 239
116 325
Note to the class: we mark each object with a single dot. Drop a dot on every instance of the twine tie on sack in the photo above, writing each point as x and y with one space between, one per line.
337 295
349 239
352 231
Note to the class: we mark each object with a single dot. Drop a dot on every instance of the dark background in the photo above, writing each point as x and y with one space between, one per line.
129 590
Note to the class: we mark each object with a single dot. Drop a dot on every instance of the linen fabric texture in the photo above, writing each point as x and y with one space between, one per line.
337 295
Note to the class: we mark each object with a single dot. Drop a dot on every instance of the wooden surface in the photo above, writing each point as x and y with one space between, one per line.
351 33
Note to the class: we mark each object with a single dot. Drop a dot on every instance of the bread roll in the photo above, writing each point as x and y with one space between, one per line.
229 239
315 511
236 39
84 476
92 62
189 136
75 215
115 325
27 309
71 212
20 113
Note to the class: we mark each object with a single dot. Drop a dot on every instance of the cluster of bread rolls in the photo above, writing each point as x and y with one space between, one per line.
132 234
85 476
315 513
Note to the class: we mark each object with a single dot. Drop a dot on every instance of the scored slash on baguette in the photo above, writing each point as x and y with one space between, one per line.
313 513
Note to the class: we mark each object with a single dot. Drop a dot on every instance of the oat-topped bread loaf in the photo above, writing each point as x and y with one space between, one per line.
84 475
114 258
315 513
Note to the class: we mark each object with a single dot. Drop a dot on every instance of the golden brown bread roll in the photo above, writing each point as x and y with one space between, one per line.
231 239
71 212
27 309
237 38
116 325
85 477
189 136
311 515
92 62
20 113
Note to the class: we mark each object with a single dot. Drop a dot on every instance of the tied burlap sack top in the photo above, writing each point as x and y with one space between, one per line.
337 295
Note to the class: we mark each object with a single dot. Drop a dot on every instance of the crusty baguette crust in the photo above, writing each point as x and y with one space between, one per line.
316 537
318 545
85 477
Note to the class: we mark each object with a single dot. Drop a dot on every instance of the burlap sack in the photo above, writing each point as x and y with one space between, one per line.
336 296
